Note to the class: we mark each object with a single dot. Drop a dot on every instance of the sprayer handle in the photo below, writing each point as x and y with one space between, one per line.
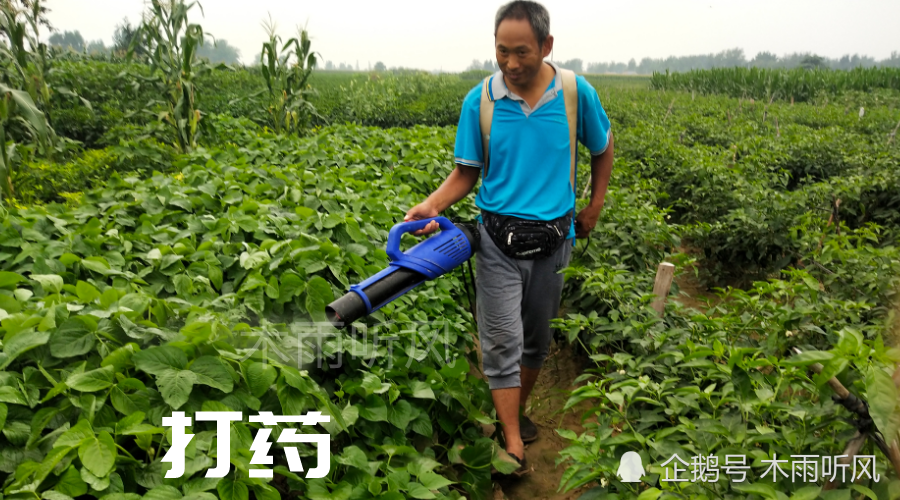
393 242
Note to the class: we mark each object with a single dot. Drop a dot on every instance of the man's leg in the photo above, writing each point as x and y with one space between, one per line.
540 303
529 377
506 402
499 301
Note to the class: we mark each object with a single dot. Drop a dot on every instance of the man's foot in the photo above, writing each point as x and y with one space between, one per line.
527 429
523 465
519 466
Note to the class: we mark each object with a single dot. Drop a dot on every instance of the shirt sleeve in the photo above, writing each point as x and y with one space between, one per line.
593 124
468 149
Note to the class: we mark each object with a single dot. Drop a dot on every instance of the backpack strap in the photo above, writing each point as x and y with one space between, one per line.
570 94
485 118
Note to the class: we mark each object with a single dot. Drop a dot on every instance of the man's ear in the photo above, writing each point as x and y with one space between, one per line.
547 47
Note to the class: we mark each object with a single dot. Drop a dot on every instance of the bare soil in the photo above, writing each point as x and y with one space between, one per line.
693 293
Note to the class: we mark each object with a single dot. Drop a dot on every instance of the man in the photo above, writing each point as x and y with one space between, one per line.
528 178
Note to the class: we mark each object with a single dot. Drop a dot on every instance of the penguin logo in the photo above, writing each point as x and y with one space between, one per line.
631 468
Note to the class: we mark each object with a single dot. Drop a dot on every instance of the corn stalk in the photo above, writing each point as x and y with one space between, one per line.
172 42
24 93
286 70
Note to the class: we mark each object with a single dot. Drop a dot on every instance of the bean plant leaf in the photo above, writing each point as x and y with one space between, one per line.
21 343
260 377
164 492
421 390
87 292
8 279
211 371
175 386
74 337
92 381
159 360
11 395
355 457
318 295
98 454
71 484
76 435
121 358
417 490
230 489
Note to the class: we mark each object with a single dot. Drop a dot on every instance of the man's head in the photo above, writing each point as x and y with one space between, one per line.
522 40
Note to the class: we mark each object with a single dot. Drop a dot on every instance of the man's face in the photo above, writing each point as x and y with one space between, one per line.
518 54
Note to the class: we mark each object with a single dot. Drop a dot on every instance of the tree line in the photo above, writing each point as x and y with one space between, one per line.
217 51
725 59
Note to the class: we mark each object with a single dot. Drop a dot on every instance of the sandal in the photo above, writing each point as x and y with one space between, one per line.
527 430
520 471
523 465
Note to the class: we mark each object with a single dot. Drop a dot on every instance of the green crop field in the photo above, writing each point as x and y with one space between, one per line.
152 241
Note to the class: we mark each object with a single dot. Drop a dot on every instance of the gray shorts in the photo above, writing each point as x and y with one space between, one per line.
516 299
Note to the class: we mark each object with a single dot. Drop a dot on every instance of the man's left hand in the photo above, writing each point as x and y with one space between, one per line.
586 220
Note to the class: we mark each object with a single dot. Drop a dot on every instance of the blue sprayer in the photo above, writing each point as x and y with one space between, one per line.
428 260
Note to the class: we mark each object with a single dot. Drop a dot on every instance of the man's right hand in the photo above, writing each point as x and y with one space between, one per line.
423 211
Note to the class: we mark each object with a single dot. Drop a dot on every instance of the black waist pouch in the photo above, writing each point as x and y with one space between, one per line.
526 239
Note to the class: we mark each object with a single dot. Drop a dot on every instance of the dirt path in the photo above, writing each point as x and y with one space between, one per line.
548 399
551 392
693 293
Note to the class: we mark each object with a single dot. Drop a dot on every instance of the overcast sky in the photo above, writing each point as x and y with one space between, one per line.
447 35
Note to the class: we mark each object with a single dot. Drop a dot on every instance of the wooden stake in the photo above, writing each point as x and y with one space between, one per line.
892 451
766 109
850 452
669 110
895 448
661 286
588 186
891 138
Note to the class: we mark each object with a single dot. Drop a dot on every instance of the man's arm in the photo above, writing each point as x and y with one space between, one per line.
601 170
457 185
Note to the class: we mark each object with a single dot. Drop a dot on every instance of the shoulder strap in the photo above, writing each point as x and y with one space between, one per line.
486 116
570 94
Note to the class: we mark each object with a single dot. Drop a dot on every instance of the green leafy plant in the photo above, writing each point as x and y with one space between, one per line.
24 93
173 42
286 69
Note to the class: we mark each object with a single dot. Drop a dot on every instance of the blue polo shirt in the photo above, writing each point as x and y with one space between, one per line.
529 167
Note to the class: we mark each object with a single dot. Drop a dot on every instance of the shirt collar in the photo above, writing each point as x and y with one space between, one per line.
499 90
